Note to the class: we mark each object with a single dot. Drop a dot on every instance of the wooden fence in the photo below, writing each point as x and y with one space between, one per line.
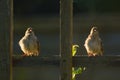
65 60
6 38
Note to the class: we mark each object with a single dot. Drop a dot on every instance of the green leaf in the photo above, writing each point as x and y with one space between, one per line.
77 71
73 74
74 49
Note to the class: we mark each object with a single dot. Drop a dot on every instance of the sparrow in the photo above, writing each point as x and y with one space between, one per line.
29 43
93 43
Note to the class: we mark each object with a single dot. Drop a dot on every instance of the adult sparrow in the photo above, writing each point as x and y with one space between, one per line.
29 43
93 43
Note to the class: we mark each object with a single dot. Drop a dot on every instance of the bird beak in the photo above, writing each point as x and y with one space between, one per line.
95 30
30 30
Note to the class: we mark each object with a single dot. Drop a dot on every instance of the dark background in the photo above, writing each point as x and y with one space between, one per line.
43 16
38 7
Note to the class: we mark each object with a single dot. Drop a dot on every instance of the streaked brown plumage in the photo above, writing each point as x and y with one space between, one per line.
29 43
93 43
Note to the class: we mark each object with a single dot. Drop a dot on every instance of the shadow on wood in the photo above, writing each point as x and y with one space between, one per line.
55 60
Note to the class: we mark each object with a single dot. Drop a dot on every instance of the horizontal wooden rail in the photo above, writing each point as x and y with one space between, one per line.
35 60
98 60
55 60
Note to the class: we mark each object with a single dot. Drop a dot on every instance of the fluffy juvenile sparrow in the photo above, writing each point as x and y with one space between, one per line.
29 43
93 43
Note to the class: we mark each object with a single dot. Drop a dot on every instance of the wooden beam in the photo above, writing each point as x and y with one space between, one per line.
55 60
6 35
35 61
66 27
98 60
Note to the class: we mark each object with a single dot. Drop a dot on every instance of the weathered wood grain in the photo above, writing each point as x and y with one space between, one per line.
66 32
55 60
6 36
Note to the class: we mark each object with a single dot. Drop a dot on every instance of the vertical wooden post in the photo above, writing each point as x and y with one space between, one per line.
66 25
6 36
